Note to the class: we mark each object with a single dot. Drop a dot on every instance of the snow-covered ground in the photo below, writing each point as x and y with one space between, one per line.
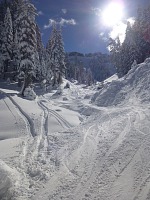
80 145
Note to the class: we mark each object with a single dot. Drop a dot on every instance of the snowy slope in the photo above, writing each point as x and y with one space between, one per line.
68 148
134 87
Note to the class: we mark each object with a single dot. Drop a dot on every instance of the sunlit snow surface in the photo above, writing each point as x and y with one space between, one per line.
85 144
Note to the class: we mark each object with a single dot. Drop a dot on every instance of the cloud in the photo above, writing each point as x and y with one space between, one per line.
40 13
51 22
119 30
64 10
67 21
62 22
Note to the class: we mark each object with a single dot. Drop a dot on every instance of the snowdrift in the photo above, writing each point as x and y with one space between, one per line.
135 86
8 181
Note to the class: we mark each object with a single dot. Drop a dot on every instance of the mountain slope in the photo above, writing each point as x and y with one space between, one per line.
76 150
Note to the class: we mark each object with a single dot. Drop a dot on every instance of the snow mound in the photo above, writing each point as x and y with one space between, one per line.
110 79
135 86
8 181
29 93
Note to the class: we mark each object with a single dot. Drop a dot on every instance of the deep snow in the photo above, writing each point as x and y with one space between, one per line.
79 145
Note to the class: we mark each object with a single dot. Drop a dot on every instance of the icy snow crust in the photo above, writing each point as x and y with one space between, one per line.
62 146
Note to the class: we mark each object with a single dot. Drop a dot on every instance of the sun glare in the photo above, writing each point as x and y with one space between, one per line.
112 14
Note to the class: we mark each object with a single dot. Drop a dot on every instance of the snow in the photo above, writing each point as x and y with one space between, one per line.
135 84
9 179
29 93
78 144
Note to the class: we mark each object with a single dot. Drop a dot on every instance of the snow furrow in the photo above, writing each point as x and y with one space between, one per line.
32 128
61 120
24 115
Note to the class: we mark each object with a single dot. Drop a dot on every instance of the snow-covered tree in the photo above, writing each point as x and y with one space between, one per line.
136 45
56 55
39 56
16 55
7 36
26 29
61 56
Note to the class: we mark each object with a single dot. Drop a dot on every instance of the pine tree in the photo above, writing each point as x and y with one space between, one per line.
89 77
51 56
40 56
56 53
61 56
115 52
7 36
26 29
16 56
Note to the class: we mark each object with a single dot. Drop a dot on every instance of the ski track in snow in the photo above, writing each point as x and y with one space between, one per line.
105 158
23 114
83 175
64 123
35 165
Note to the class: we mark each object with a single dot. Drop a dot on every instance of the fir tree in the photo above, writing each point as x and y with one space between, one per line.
56 56
40 56
26 28
7 36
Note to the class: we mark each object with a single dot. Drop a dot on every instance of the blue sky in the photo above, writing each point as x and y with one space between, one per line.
81 24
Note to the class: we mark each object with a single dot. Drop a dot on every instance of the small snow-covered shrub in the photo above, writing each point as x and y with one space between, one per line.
59 90
65 99
29 93
67 85
100 86
43 83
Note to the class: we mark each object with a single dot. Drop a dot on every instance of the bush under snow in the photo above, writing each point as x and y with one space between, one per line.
29 93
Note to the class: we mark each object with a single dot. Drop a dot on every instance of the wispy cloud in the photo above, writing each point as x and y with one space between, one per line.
67 21
62 22
64 10
51 22
40 13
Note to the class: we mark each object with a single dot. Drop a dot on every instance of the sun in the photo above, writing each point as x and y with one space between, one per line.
112 14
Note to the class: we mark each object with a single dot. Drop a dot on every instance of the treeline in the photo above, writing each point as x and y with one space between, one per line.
136 46
89 68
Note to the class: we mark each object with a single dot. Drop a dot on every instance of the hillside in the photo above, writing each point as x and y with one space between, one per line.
80 145
99 64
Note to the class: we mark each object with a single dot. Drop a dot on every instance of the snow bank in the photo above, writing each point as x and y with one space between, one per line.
135 86
8 181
